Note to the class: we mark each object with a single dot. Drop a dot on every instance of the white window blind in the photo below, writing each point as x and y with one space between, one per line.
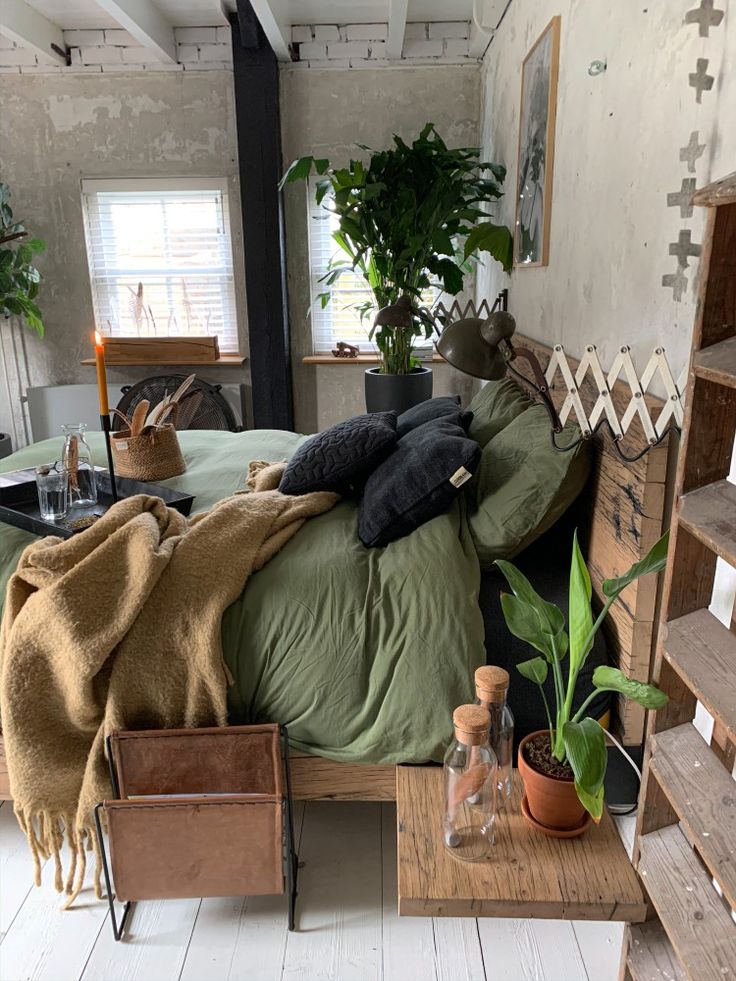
160 258
339 320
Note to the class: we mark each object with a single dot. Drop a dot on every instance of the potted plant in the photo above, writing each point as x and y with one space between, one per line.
409 219
563 768
19 278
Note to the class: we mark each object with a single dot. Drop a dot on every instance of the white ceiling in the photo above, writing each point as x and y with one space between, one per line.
71 14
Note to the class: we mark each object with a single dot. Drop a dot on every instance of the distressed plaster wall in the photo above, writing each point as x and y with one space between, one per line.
57 129
326 113
617 157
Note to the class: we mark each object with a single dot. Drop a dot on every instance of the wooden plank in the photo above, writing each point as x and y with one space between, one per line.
718 308
598 943
709 514
696 919
717 363
651 956
703 794
529 875
149 27
160 350
317 778
16 868
360 359
224 361
339 906
532 950
29 29
256 88
720 192
703 653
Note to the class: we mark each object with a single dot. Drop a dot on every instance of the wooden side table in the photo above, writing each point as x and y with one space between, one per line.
528 875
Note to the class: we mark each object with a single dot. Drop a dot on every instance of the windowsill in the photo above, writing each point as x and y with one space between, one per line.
361 359
224 361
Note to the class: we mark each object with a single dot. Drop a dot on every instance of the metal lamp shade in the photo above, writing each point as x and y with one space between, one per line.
472 345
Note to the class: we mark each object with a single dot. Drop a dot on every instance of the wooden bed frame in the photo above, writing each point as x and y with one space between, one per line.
621 516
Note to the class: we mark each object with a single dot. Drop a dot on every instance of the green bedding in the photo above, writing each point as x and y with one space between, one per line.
363 653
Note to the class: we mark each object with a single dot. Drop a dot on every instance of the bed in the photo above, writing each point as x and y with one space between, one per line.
330 638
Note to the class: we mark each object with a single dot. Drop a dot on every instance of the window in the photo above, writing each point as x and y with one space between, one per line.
160 258
339 321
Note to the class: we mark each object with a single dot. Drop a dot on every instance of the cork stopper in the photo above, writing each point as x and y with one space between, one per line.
471 724
491 683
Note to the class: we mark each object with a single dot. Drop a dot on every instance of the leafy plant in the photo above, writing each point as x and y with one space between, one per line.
19 278
409 219
575 738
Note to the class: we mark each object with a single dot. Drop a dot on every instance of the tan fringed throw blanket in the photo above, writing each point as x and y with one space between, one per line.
119 628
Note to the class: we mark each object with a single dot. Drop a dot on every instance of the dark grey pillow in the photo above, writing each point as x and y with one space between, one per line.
443 405
418 481
340 458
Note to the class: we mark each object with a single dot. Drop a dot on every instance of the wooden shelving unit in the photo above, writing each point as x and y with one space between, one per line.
686 828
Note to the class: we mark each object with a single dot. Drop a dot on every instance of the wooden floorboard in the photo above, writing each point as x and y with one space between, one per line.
347 913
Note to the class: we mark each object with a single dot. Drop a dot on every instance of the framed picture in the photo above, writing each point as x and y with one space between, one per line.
536 148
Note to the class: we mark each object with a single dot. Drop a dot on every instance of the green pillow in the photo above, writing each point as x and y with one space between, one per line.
523 485
496 405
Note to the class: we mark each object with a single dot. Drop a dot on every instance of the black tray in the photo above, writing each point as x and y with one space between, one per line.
19 501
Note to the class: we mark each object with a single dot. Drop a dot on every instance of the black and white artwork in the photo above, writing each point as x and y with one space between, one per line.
536 148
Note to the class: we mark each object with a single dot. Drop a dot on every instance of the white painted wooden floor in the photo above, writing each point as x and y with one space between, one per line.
349 929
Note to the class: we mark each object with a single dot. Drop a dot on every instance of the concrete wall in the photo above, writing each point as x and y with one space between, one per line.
326 113
617 157
57 129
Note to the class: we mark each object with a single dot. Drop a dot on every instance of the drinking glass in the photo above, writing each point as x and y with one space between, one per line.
52 483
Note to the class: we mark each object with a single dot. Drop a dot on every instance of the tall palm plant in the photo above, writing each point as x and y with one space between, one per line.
408 219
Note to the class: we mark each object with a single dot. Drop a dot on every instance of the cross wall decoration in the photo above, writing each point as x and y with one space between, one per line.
671 412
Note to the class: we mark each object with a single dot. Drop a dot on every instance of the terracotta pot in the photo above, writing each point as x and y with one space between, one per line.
552 802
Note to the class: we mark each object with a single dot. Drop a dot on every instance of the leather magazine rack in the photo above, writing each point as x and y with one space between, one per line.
198 813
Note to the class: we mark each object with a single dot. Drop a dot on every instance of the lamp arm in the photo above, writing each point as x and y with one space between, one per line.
539 385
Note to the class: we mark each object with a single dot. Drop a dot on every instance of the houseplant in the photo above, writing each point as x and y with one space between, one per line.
19 278
563 768
409 219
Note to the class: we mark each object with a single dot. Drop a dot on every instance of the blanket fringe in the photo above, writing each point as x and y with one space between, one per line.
45 832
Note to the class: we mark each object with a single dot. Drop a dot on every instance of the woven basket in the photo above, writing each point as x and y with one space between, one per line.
148 458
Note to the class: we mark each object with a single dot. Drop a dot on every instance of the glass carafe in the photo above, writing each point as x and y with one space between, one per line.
491 691
471 778
77 458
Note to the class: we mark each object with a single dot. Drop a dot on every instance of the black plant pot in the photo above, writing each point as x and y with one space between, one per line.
399 392
6 445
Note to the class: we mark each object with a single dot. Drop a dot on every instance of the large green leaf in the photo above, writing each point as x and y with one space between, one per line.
580 614
298 170
593 803
494 239
534 670
611 679
585 747
523 622
654 561
550 615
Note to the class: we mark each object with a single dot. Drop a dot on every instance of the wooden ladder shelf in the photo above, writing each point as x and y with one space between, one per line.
686 828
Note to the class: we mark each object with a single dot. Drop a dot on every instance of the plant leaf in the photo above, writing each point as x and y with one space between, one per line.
298 170
551 616
585 748
523 622
494 239
534 670
654 561
580 614
611 679
593 803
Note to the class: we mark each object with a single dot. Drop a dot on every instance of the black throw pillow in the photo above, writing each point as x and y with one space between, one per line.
418 481
340 458
443 405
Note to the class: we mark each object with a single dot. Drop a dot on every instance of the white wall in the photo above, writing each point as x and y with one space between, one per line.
618 139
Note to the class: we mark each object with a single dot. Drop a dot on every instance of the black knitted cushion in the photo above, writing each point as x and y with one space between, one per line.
418 481
443 405
340 458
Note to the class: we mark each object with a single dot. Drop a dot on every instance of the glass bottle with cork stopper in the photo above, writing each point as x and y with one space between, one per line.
491 691
471 777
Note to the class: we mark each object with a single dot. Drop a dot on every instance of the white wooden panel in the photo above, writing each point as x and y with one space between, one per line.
144 20
600 945
531 950
16 868
30 29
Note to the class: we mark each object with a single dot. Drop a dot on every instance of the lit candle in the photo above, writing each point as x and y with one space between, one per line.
101 374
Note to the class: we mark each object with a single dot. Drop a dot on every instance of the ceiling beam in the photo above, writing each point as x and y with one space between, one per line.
276 24
397 11
146 23
29 29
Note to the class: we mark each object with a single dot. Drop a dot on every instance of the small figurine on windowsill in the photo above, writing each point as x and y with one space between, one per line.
344 350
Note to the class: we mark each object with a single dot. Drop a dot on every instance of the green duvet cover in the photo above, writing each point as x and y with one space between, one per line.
363 653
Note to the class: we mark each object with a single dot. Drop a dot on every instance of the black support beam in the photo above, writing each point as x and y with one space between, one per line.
256 80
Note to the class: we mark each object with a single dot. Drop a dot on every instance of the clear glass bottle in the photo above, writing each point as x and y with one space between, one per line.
491 691
471 777
77 458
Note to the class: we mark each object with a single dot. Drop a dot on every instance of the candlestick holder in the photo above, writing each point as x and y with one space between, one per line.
105 421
